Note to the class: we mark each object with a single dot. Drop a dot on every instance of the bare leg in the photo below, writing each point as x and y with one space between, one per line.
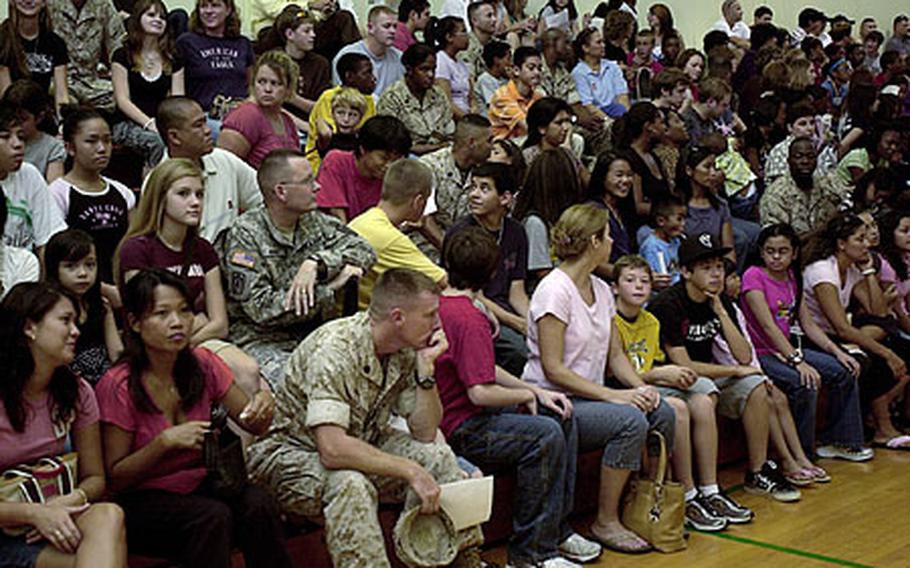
704 437
103 541
682 444
881 412
788 427
612 483
755 422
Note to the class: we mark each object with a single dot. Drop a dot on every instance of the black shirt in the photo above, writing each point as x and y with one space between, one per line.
145 94
42 55
103 216
687 323
513 257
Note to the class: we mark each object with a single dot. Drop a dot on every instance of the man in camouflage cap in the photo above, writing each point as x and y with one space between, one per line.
284 261
331 450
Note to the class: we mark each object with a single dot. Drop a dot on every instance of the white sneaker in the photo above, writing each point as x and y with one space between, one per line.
558 562
580 549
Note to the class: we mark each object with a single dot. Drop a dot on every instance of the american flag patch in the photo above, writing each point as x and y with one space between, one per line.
243 258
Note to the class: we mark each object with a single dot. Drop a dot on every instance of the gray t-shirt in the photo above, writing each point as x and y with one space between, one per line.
707 220
538 243
44 150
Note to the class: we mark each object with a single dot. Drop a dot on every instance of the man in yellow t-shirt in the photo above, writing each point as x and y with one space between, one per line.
405 190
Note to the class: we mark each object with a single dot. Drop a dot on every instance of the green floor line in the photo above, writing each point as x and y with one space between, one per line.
787 550
733 489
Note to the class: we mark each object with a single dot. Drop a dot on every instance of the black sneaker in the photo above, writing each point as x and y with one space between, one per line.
770 482
699 517
726 508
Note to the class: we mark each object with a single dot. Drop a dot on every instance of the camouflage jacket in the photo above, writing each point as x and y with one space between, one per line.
260 264
334 377
450 185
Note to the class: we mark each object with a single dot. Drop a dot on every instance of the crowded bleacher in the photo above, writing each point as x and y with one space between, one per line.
264 272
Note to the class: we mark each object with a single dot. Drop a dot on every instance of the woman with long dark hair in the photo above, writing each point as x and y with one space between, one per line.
449 37
29 49
550 123
144 72
838 262
699 180
156 406
45 407
636 134
777 321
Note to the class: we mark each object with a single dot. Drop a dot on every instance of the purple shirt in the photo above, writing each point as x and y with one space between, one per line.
781 299
215 66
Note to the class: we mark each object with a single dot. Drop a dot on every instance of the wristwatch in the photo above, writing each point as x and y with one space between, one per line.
795 358
425 381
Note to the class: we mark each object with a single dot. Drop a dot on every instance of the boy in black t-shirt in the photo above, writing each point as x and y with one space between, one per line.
692 314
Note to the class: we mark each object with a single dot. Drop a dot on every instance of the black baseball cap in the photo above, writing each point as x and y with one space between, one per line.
700 247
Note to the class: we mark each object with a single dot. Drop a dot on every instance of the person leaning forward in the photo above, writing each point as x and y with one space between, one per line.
284 261
331 451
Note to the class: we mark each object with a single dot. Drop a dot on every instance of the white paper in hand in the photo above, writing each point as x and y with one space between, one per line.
468 502
559 20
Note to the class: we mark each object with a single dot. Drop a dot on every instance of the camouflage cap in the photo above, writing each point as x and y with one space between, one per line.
425 540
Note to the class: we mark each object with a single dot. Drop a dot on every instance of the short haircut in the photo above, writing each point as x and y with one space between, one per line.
898 19
474 6
522 54
493 51
669 78
386 133
645 32
379 10
291 18
800 140
550 36
416 55
501 174
713 39
761 34
28 95
468 126
273 168
351 98
889 58
173 112
407 6
714 88
631 262
763 11
9 117
799 110
406 179
470 257
876 36
809 15
397 288
348 63
665 206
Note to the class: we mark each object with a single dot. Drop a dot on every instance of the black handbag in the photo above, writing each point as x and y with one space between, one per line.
222 453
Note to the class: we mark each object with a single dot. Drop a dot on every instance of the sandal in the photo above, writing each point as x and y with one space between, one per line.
820 475
801 477
900 443
627 543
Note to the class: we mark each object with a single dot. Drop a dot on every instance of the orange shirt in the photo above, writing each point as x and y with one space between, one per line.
509 110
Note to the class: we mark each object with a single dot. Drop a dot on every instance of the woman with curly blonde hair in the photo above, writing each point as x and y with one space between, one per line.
255 128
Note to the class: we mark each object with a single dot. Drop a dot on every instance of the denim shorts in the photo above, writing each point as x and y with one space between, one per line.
16 553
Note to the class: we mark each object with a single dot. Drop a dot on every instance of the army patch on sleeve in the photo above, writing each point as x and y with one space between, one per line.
243 259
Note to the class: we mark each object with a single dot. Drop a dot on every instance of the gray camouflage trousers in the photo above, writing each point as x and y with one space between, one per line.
349 499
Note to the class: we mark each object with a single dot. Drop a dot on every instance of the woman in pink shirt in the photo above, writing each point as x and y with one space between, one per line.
257 127
156 407
572 340
44 406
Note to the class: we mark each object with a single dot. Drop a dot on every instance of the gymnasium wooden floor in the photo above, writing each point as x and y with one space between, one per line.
860 519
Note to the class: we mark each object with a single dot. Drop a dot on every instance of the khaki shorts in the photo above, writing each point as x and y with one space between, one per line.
732 392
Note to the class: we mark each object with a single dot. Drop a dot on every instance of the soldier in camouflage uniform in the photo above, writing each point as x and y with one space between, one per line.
90 32
284 261
331 450
451 168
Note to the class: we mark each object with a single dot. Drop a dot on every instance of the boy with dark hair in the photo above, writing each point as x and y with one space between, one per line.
351 182
661 248
497 57
693 313
355 70
504 295
688 394
33 216
872 43
714 102
510 103
413 15
475 396
762 15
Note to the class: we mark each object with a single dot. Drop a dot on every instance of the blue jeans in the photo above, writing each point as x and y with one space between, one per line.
544 451
843 424
745 241
621 430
